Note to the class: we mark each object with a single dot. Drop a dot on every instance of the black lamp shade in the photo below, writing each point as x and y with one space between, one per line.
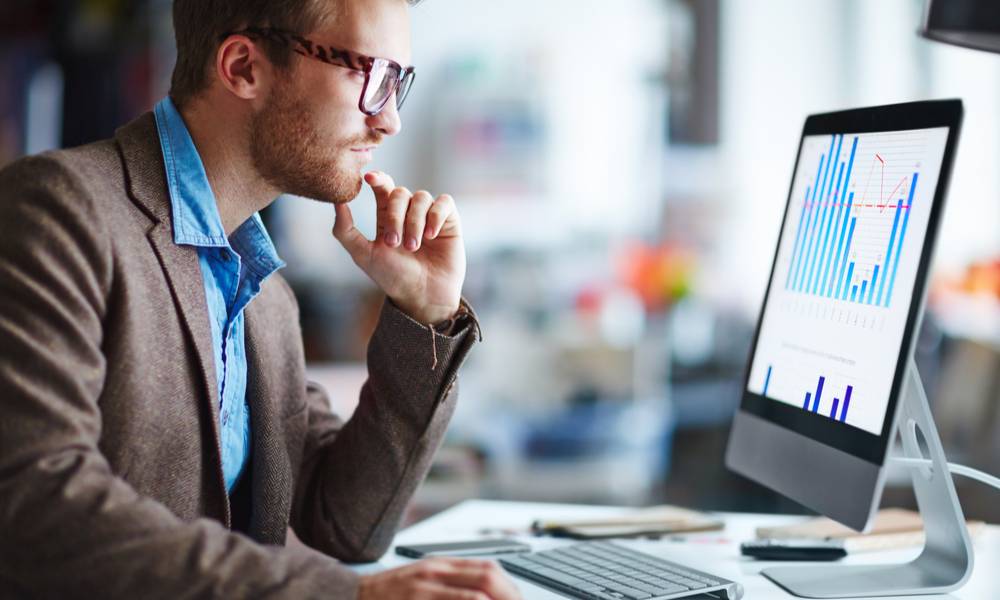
967 23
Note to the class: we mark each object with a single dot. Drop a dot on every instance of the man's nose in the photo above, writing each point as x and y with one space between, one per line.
387 120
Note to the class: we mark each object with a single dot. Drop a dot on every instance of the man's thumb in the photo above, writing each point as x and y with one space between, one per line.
348 235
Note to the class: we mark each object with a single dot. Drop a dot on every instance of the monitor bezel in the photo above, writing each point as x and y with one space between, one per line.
894 117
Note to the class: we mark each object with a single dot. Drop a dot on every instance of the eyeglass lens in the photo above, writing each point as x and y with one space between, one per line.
382 79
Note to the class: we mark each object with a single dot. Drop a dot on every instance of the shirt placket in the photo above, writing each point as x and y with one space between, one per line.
231 265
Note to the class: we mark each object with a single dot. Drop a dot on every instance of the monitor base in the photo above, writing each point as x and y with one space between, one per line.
946 561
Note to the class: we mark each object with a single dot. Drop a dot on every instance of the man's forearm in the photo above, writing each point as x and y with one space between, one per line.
356 481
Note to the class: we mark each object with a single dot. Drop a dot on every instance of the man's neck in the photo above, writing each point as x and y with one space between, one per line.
223 147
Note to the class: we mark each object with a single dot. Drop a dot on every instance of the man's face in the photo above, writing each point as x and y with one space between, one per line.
310 139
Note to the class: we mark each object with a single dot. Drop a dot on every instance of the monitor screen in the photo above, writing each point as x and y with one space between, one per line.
843 280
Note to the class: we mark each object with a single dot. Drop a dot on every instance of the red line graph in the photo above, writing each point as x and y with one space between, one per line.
882 202
898 185
881 190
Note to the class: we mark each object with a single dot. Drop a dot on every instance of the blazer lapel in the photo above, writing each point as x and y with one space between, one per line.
139 144
272 470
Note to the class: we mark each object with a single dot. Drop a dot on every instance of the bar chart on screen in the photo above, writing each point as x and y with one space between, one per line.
854 216
844 276
833 404
822 387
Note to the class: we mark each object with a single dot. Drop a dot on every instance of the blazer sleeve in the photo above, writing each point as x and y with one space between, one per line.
69 527
357 478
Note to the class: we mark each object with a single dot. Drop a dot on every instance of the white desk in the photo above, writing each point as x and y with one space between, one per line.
714 552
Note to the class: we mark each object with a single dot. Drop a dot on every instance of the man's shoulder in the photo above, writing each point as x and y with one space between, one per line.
94 181
84 173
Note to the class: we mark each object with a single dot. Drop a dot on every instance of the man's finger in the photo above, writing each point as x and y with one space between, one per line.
356 244
416 220
381 183
392 214
430 590
439 214
485 577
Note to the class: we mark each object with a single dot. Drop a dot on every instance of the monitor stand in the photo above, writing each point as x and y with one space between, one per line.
946 561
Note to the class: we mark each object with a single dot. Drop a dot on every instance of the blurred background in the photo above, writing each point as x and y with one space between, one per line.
621 169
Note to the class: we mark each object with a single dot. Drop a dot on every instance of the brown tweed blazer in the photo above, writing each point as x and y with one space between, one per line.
110 472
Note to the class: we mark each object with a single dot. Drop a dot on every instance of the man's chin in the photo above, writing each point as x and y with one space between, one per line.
339 190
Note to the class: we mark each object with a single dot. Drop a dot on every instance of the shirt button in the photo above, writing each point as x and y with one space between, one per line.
224 255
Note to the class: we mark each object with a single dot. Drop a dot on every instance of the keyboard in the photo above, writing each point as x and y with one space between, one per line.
607 571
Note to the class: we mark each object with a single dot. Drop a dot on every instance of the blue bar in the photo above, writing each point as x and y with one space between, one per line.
813 259
902 236
847 403
767 380
805 406
830 267
822 261
888 250
809 220
850 166
840 257
833 411
814 253
818 197
798 235
854 291
864 284
819 392
835 158
840 179
847 281
829 273
810 227
842 225
871 290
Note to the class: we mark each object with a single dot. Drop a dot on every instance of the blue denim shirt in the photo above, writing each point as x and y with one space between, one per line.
232 269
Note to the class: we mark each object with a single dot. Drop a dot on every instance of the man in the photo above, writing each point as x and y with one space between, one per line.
158 437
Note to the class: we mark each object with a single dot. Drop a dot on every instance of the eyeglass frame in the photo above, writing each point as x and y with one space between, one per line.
338 57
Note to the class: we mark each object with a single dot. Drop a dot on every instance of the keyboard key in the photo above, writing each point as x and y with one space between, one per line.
667 589
630 592
690 583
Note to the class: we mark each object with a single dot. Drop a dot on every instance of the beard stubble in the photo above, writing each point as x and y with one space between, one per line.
290 154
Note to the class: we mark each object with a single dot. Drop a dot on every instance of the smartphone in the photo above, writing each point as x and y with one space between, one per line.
794 549
473 548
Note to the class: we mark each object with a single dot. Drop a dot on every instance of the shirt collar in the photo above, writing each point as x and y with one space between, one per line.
196 219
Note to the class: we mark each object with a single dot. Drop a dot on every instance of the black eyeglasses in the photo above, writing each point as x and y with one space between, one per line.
382 76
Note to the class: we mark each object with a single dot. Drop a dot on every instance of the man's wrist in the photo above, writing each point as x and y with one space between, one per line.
430 315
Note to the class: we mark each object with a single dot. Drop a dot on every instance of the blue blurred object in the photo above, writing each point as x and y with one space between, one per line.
589 428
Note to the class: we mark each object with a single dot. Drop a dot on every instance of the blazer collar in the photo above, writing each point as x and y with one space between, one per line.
145 175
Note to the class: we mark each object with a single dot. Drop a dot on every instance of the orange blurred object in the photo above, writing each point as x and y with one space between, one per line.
979 278
983 278
660 274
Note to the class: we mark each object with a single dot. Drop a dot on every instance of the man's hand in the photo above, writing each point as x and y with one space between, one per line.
440 579
417 257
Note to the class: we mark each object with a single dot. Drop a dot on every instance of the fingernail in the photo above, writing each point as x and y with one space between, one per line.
411 243
428 233
391 238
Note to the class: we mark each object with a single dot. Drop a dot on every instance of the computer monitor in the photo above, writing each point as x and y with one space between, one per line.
843 305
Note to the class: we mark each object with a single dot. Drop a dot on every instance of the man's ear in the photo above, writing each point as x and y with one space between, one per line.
242 67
